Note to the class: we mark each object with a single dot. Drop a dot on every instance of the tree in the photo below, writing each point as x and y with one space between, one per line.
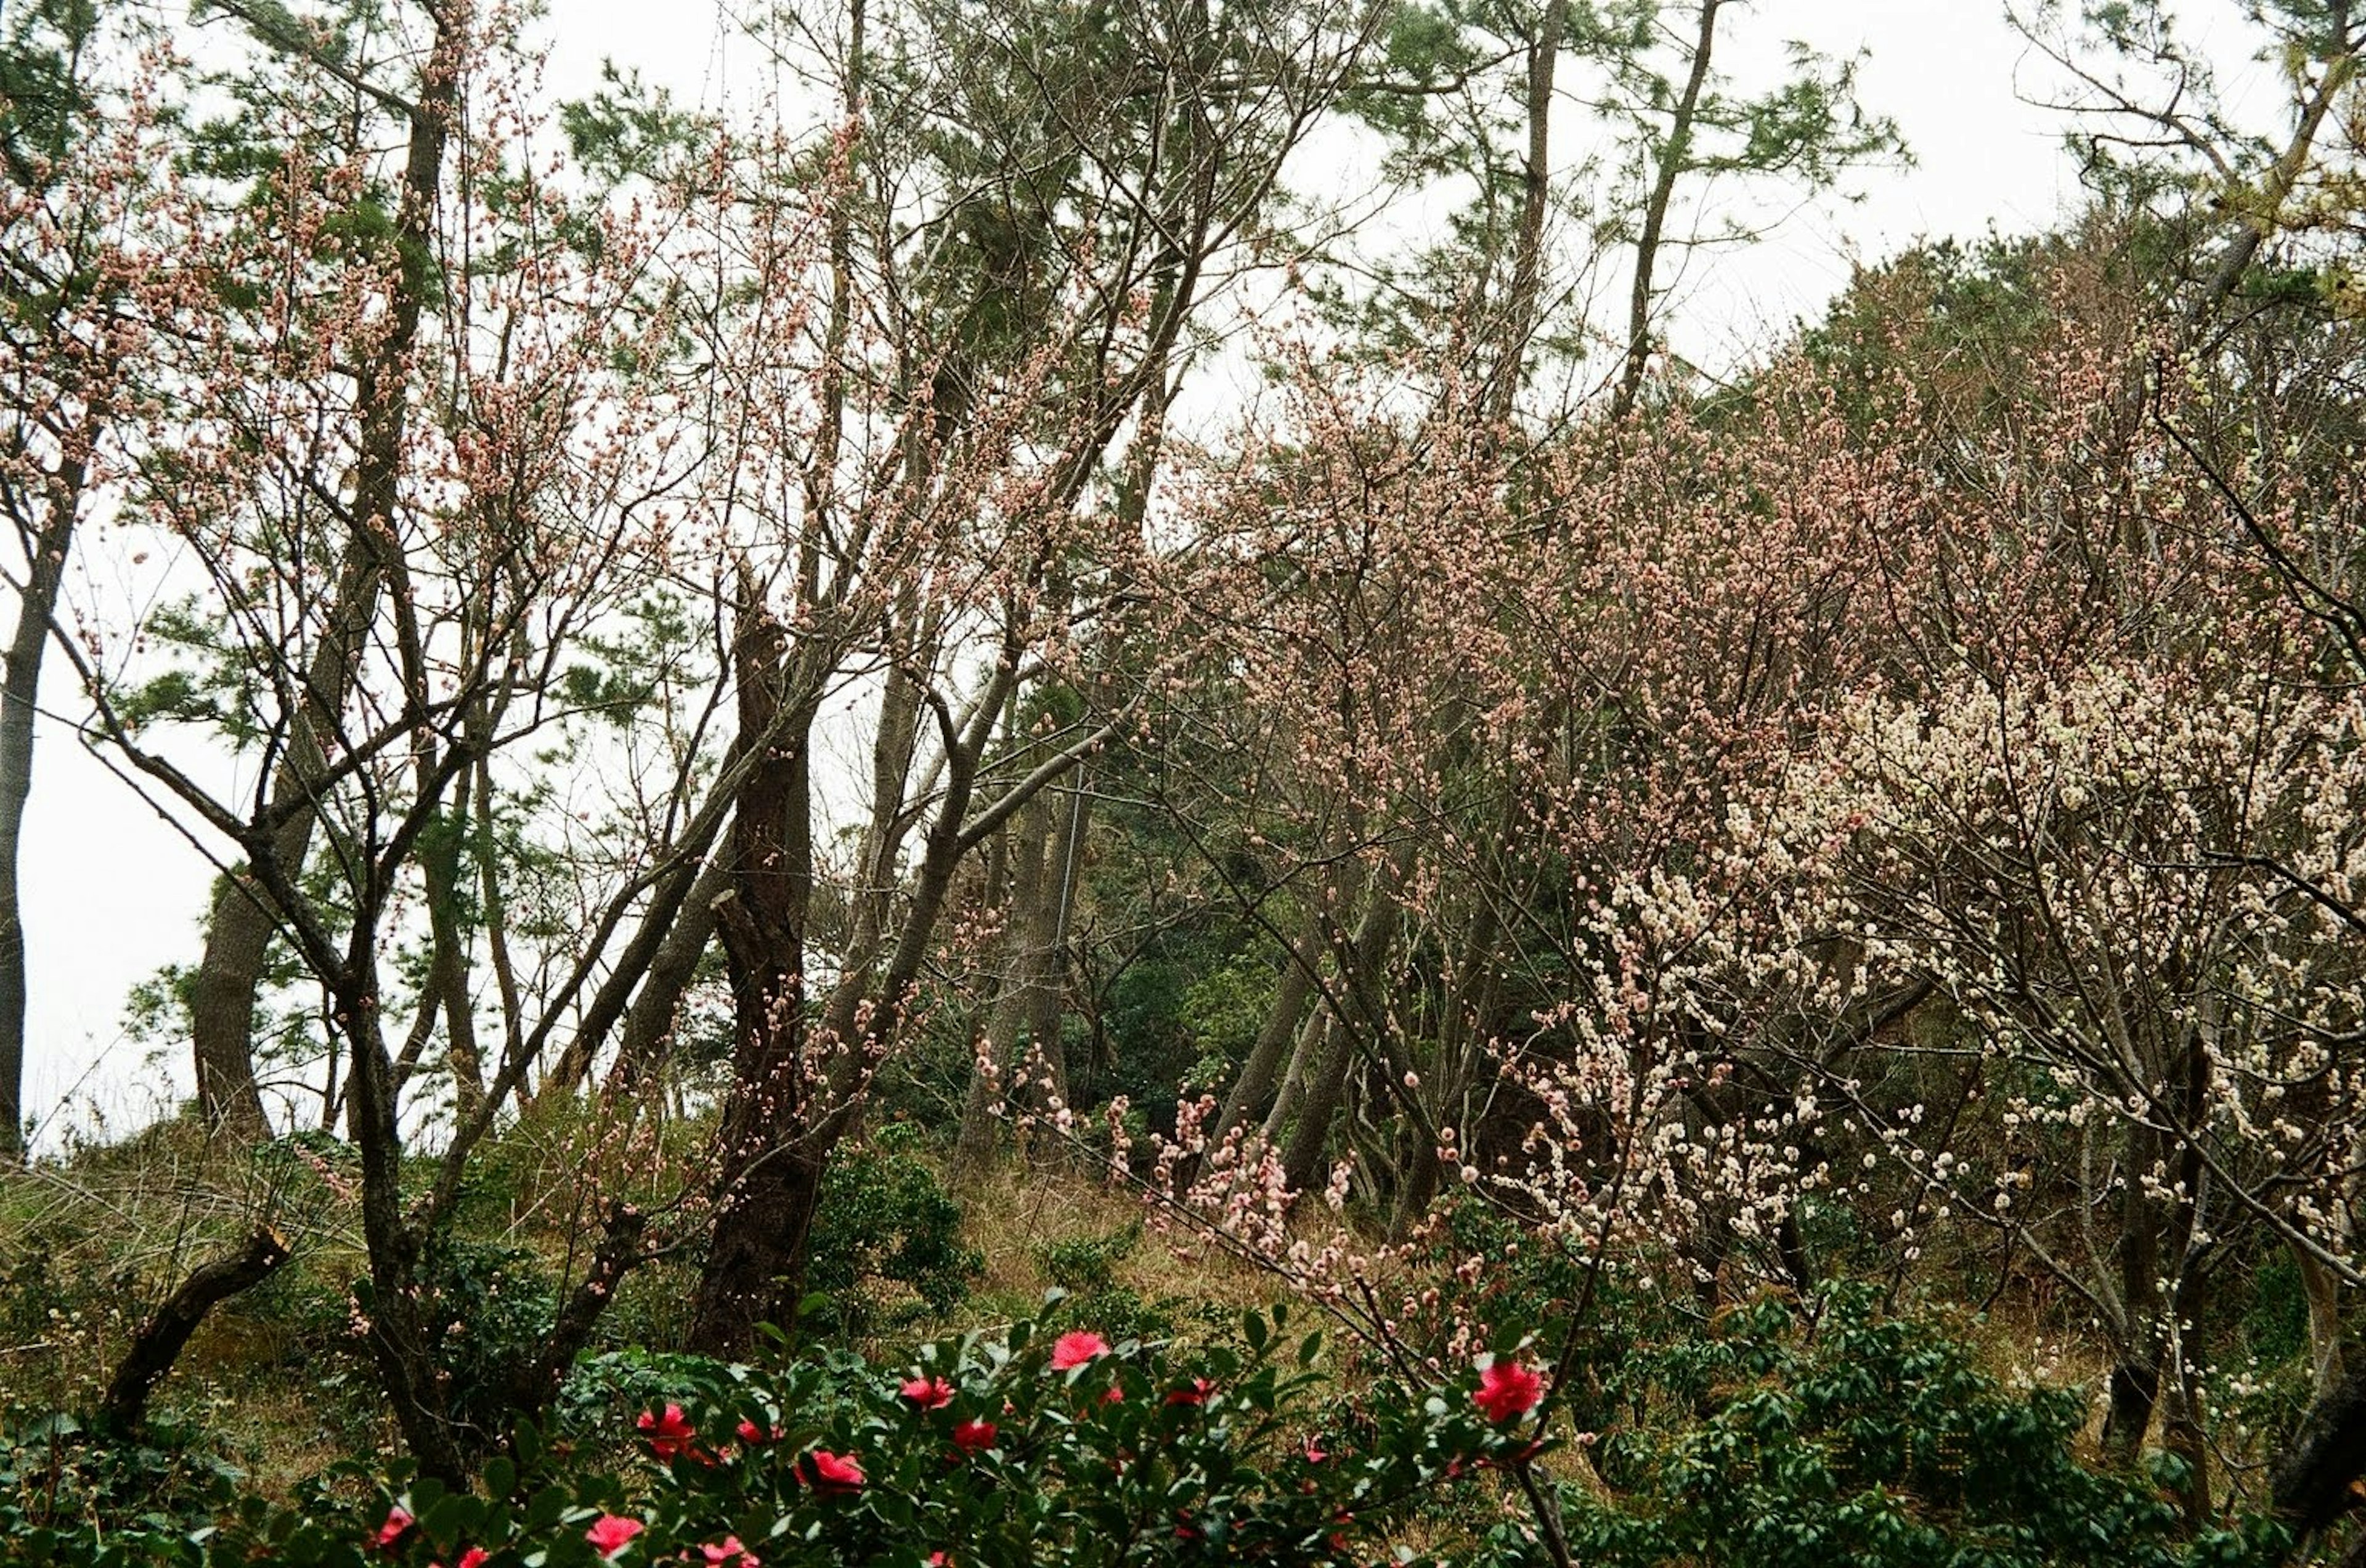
78 206
1111 180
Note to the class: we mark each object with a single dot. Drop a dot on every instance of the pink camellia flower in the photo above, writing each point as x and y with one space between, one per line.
1196 1394
929 1393
1314 1454
1074 1349
832 1472
669 1434
475 1556
939 1560
975 1437
751 1433
729 1553
1115 1395
609 1533
398 1519
1506 1389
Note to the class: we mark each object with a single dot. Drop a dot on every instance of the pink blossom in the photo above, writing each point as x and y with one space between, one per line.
1074 1349
398 1519
1507 1390
929 1393
832 1472
609 1533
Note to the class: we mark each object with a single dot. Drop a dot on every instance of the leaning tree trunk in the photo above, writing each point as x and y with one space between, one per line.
161 1339
1672 154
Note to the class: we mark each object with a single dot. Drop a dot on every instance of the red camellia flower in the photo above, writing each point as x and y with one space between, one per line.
751 1433
939 1560
1076 1349
1196 1394
929 1393
833 1472
1314 1454
475 1556
398 1519
669 1434
609 1533
1114 1396
729 1553
975 1436
1508 1389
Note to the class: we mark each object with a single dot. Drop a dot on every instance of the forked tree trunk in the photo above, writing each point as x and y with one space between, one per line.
1326 1085
1672 152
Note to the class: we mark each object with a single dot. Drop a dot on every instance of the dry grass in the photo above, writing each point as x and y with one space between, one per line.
1014 1218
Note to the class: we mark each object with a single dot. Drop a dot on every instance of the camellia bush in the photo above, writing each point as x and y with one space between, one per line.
1793 1435
1018 1449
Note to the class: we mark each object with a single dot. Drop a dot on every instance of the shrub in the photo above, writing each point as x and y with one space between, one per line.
886 1221
1791 1438
979 1452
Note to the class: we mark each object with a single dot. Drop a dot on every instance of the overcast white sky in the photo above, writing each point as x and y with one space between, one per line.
112 893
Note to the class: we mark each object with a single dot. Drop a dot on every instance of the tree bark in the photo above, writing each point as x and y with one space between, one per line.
1535 196
2310 1481
768 1175
1359 983
241 924
161 1339
1293 990
2283 175
648 1034
1006 1021
1655 214
19 691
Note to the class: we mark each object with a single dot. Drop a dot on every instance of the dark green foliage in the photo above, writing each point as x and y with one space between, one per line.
1792 1439
1086 1267
55 1475
1129 1455
886 1239
499 1303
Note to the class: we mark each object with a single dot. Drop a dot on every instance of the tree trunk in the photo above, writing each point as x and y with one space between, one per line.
1292 992
160 1341
2310 1480
768 1169
1655 214
2323 1290
2283 175
239 928
990 1075
649 1035
1360 984
1535 196
19 691
439 861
